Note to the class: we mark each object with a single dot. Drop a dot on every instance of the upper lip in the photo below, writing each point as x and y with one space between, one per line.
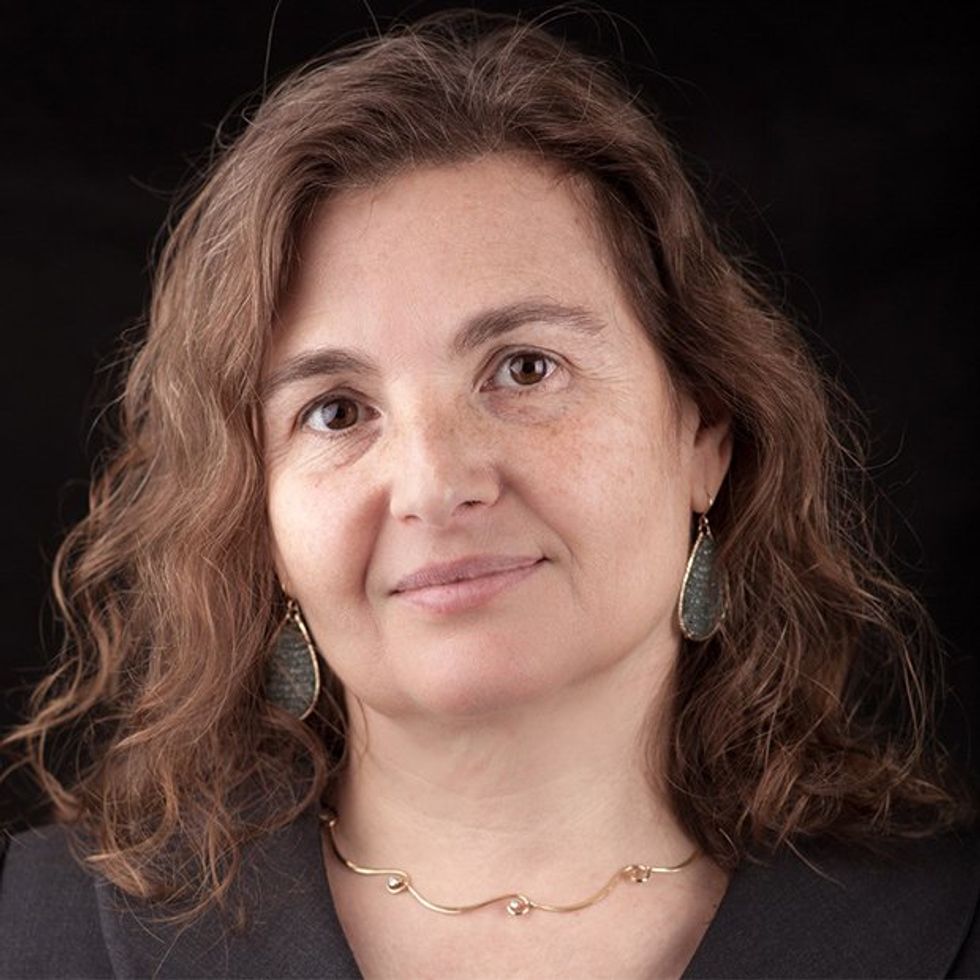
473 566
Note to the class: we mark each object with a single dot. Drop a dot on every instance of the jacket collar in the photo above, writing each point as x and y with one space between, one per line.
294 930
907 915
828 910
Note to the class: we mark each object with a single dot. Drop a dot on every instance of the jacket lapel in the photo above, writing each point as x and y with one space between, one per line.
905 916
294 930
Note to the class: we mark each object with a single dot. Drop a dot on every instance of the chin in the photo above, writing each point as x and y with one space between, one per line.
473 702
466 685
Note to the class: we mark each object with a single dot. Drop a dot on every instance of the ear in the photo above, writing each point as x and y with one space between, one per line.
712 457
279 567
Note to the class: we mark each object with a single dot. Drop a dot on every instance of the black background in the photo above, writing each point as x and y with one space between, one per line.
836 141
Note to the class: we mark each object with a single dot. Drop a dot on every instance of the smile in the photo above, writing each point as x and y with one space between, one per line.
458 596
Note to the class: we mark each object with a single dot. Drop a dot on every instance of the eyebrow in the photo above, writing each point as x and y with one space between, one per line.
478 329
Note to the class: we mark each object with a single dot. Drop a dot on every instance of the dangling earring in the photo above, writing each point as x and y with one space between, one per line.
704 591
292 674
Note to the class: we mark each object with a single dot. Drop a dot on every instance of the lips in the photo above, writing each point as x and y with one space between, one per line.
462 569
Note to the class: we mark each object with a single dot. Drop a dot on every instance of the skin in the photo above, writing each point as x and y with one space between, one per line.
499 748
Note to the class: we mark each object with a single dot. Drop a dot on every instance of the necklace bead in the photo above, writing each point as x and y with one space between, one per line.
519 905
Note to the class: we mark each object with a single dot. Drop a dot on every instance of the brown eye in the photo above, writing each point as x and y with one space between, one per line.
323 416
527 368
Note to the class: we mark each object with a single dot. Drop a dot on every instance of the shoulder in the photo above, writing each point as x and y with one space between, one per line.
38 865
821 908
49 917
58 919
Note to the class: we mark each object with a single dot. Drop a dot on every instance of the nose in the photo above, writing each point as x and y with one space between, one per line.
441 464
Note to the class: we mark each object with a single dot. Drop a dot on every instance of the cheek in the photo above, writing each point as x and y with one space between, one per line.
307 524
619 501
616 461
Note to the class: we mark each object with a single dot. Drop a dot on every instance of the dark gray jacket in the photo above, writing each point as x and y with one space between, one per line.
915 916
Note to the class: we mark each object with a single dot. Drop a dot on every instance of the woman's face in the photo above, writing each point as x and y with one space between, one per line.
552 440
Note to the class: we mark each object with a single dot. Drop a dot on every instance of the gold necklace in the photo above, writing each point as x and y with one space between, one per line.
517 903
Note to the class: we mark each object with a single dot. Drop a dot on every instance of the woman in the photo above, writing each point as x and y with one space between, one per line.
477 526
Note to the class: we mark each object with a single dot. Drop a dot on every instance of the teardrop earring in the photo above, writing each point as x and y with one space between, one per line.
704 591
292 674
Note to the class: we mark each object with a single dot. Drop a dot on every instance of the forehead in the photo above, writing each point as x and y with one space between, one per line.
434 244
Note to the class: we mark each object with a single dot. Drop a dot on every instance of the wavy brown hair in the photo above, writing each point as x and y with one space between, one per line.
811 713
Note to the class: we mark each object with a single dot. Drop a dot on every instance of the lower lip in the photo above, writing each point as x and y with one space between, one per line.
457 596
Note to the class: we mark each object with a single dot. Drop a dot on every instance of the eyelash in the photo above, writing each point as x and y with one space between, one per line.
510 355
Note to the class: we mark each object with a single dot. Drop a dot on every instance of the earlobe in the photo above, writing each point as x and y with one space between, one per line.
281 578
713 446
279 567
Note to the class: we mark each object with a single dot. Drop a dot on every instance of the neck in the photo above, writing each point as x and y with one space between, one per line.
548 799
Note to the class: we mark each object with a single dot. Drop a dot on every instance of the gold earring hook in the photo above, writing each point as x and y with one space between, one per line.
703 526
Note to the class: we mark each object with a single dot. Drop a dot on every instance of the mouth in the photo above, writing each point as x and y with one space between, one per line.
463 594
462 569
